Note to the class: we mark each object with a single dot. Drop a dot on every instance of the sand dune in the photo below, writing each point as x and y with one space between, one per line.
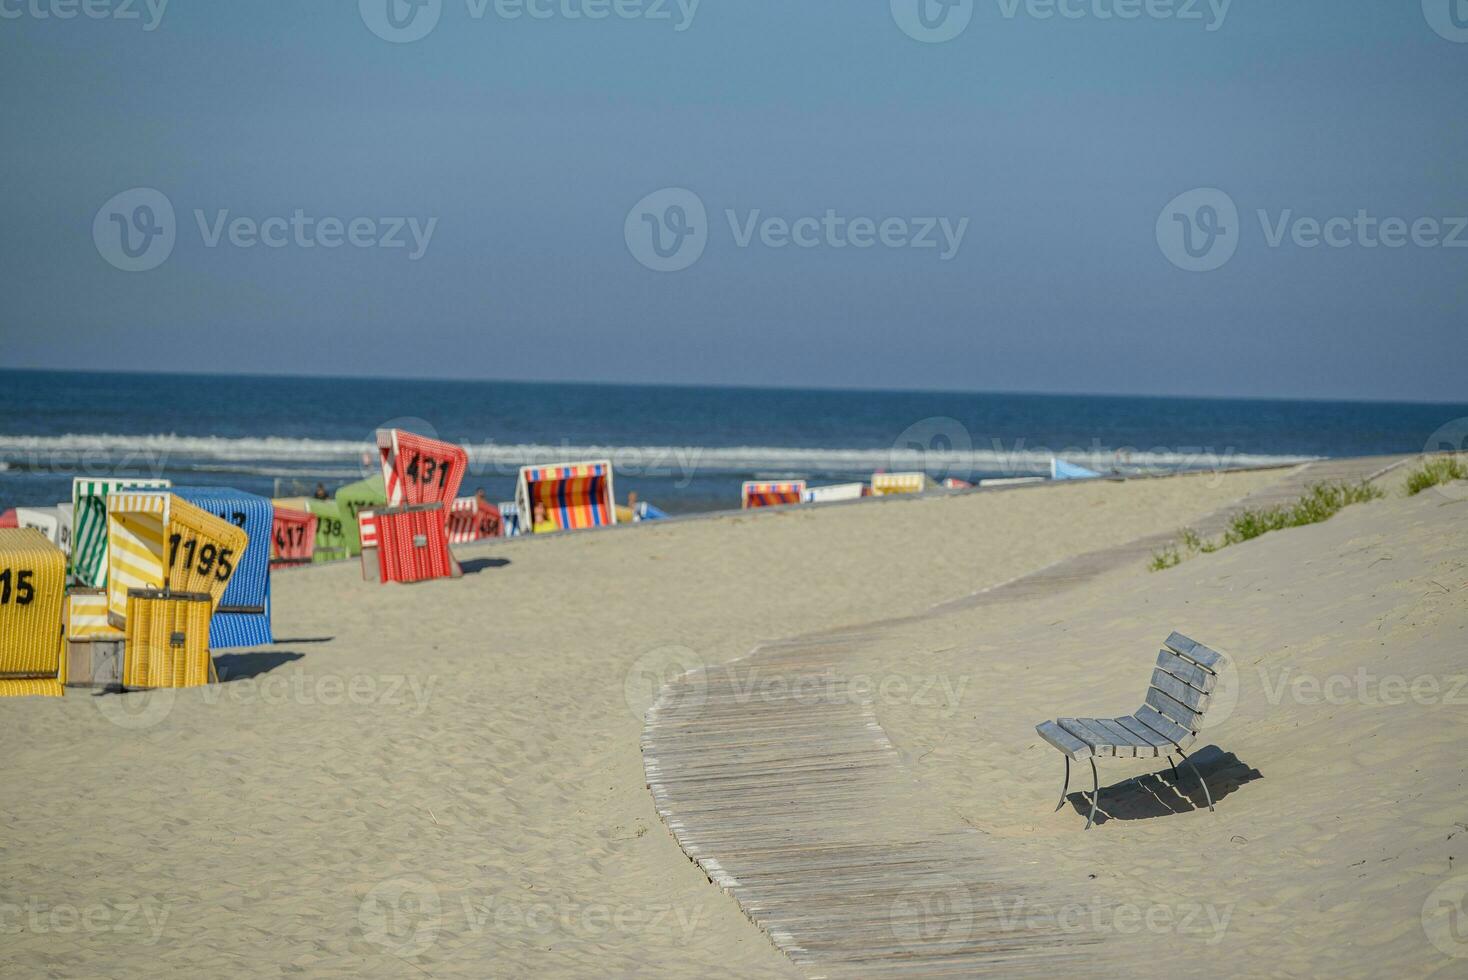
446 778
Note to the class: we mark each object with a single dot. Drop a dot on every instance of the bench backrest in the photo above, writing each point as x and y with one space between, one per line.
1182 684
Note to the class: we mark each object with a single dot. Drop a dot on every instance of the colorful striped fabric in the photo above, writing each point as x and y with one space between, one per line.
756 494
362 495
32 585
575 495
135 533
86 614
156 539
468 521
419 470
887 484
510 518
293 534
89 524
242 617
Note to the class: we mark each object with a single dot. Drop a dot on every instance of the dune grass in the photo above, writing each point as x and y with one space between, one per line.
1435 471
1319 503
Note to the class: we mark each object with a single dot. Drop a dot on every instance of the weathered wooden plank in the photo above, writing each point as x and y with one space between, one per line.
1164 726
1096 738
1182 693
1063 740
1177 711
1194 651
1187 671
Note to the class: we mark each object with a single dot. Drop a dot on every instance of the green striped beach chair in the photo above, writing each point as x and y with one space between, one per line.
89 524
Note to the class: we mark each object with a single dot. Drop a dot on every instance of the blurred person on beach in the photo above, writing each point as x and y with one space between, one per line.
321 492
628 514
542 523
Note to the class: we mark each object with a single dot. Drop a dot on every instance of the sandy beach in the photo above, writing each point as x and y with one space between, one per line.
446 779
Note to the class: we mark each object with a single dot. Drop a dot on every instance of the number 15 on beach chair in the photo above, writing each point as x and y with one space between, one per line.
1167 722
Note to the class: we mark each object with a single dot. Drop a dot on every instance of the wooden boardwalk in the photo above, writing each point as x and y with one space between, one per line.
774 775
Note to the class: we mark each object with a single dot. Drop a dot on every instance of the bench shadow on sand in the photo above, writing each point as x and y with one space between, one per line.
1158 794
473 566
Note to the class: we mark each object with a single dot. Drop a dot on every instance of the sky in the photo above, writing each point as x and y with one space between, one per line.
1159 197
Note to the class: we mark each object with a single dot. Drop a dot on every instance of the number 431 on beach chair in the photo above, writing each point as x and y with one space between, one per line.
1167 722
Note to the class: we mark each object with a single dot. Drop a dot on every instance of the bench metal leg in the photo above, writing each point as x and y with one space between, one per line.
1066 787
1206 795
1095 794
1175 777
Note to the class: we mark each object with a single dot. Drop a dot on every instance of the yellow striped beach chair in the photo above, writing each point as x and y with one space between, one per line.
32 584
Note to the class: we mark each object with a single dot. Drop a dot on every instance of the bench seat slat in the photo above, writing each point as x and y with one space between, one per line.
1176 710
1128 745
1193 650
1096 738
1063 740
1159 744
1187 672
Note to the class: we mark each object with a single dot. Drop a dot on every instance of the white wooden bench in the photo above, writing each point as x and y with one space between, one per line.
1167 722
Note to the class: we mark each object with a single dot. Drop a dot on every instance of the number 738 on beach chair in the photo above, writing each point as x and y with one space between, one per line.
1167 722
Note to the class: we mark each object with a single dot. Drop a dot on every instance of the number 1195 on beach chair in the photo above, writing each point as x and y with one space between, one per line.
1167 722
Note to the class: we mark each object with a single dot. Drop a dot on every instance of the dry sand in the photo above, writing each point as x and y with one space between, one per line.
445 779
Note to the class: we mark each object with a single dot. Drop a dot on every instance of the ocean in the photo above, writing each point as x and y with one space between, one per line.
685 449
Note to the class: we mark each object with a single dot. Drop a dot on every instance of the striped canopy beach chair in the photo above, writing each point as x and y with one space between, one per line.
575 495
32 585
156 540
771 494
420 470
242 618
887 484
89 524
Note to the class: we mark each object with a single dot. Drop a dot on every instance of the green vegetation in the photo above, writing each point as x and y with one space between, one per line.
1435 471
1319 503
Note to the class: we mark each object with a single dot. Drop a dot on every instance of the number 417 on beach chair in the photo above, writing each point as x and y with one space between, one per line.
1167 722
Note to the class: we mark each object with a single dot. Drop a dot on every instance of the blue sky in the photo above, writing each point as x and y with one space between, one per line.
518 146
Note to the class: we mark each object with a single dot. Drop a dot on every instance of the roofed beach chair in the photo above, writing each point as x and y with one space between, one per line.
1167 722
